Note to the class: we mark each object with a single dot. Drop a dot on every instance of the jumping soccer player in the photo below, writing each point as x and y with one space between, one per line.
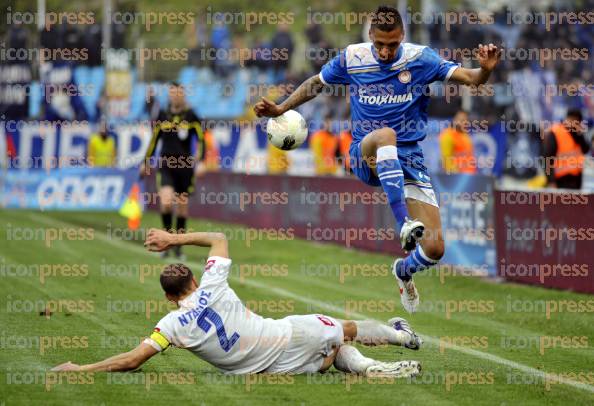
388 81
175 126
214 324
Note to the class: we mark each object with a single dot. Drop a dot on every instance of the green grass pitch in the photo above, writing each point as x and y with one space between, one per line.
513 344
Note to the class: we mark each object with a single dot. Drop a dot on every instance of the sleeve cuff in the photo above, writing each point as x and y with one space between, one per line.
450 73
322 79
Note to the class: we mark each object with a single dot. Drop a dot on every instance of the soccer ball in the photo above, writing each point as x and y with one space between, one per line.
287 131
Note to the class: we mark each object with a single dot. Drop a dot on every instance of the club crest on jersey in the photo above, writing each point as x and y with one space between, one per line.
404 76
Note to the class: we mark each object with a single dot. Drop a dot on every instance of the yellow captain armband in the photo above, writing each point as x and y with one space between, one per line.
160 339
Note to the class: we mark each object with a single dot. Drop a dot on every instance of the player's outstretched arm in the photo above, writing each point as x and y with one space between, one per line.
160 240
305 92
126 361
488 57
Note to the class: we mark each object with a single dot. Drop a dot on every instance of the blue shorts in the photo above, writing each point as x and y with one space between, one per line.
417 183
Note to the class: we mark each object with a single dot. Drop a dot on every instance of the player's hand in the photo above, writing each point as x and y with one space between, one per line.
144 170
267 108
67 366
488 56
199 170
158 240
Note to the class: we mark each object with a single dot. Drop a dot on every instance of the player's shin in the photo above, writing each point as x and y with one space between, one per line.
350 360
167 219
416 261
180 224
391 177
370 332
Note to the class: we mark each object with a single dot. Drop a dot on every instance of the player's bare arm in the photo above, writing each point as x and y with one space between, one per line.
127 361
305 92
488 57
160 240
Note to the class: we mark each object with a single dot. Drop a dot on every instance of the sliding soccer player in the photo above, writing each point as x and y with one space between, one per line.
213 324
388 81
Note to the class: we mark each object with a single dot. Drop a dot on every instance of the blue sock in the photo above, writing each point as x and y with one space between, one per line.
416 261
391 177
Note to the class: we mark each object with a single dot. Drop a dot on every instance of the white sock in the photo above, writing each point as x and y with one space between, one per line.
371 332
349 359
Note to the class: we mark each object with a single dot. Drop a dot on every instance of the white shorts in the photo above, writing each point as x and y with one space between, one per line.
314 337
423 194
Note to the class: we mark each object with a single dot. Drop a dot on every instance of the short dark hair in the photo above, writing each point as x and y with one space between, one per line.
386 18
175 84
176 279
576 113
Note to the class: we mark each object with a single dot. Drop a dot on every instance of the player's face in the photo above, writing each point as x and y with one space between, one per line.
176 95
461 121
574 124
386 43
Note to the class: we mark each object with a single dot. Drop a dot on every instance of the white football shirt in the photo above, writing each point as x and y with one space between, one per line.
215 325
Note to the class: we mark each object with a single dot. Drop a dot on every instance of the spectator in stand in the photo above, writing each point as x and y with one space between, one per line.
101 151
319 50
564 152
324 146
152 103
220 38
282 41
457 153
278 161
212 156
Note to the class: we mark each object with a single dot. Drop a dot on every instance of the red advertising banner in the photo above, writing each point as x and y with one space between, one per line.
546 239
347 212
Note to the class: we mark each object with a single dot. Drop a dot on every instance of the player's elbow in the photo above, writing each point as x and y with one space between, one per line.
315 84
219 245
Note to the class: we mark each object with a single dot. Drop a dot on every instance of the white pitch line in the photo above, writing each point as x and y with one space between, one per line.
333 308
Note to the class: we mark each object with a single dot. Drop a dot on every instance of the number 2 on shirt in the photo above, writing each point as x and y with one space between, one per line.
209 316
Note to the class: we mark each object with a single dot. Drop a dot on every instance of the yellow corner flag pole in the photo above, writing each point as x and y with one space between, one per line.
131 208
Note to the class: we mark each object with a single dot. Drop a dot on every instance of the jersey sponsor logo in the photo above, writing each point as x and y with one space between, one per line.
182 133
385 99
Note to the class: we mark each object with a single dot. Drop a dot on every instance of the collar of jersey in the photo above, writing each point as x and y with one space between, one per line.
393 61
187 301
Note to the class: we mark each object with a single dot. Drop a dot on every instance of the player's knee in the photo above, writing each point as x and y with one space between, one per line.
166 206
385 136
434 249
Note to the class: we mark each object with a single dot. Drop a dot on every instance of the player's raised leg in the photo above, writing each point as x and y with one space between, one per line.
371 332
378 150
424 256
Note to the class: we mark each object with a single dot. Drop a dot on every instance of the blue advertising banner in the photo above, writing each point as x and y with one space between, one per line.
466 208
67 188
